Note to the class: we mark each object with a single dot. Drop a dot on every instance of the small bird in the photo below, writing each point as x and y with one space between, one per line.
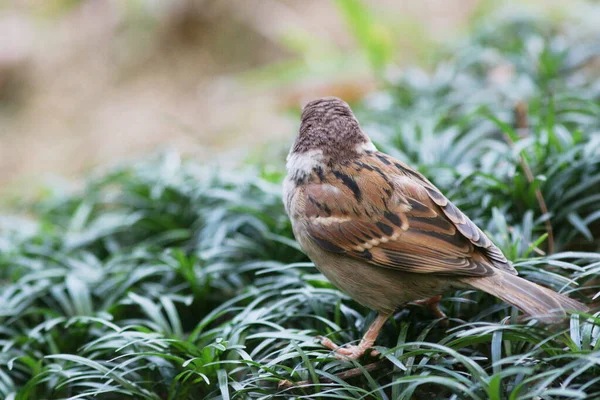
384 234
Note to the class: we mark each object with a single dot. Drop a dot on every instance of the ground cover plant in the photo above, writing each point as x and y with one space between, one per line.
168 280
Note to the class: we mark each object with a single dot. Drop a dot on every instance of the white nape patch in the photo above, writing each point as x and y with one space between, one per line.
299 164
365 147
288 195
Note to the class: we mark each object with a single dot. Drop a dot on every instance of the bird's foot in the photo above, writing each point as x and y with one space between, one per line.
348 352
433 304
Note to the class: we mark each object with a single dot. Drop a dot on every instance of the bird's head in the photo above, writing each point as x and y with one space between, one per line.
329 126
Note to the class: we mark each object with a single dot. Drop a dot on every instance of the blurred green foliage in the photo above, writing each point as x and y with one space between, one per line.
166 280
373 36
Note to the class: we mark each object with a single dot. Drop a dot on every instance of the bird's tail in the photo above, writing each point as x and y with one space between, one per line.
543 304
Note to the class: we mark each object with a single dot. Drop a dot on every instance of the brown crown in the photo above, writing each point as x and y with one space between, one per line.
328 124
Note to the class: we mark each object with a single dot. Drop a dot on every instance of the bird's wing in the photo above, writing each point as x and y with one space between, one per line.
463 223
373 210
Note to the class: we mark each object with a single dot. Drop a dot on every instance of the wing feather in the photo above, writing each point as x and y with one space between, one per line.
389 215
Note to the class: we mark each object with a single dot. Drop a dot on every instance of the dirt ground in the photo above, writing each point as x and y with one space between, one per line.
98 82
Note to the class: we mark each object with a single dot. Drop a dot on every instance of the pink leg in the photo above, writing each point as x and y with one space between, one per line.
355 352
433 304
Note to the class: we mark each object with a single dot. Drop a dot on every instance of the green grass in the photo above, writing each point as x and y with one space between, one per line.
166 280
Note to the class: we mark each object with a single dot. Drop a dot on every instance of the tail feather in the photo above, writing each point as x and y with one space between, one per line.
543 304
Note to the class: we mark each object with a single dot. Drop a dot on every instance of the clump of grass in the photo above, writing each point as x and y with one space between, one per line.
165 280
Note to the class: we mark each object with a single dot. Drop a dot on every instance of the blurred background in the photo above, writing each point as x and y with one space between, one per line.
85 83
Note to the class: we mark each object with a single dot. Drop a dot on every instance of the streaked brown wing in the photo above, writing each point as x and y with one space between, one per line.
466 227
389 220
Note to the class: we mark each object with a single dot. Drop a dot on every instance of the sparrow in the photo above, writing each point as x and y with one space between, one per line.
384 234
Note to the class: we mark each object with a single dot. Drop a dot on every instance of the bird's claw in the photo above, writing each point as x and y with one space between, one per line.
433 304
344 353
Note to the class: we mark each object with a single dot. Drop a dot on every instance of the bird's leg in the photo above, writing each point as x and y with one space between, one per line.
355 352
433 304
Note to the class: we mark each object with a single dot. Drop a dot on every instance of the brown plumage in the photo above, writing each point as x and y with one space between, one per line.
383 233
